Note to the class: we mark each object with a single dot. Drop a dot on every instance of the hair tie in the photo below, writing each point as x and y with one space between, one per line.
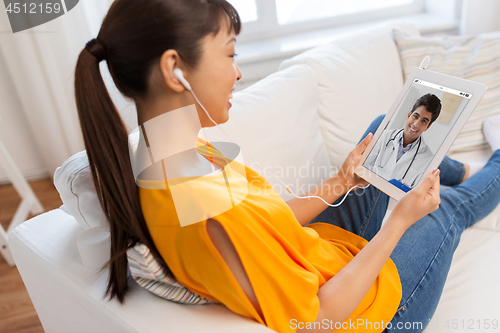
96 49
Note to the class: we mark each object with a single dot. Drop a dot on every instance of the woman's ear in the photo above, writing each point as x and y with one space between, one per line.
168 62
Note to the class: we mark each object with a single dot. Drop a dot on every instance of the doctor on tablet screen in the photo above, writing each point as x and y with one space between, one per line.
401 155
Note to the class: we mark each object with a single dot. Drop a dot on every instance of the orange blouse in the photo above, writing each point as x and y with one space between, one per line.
285 262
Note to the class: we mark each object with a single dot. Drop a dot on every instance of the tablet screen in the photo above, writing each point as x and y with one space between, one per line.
416 131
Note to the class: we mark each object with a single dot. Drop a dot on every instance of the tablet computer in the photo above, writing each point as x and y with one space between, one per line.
418 131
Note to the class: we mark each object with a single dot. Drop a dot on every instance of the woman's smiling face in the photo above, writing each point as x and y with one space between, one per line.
217 72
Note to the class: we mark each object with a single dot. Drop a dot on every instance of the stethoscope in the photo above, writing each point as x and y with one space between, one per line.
414 155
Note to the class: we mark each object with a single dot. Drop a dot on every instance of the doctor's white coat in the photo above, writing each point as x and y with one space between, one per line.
382 159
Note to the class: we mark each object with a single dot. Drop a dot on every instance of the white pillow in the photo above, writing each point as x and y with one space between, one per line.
73 180
359 76
275 120
474 58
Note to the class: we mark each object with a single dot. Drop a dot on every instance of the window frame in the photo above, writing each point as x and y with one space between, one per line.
267 25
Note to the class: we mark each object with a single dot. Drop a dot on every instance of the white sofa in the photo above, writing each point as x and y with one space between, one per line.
308 116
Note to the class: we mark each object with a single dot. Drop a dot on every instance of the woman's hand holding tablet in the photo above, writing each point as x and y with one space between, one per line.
418 131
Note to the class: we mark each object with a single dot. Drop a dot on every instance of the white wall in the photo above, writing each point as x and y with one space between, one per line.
15 134
479 16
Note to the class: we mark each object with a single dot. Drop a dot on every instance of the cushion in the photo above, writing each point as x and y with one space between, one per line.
473 58
73 180
359 76
150 274
275 121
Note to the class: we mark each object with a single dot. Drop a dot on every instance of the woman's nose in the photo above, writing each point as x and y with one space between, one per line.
238 72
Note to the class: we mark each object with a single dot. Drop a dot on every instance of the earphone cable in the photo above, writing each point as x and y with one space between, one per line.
265 171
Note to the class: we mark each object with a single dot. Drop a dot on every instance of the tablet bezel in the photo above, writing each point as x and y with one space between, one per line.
476 89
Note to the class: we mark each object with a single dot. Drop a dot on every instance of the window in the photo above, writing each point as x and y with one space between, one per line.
270 18
292 11
247 9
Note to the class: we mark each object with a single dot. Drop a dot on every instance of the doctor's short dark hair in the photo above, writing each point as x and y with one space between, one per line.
432 104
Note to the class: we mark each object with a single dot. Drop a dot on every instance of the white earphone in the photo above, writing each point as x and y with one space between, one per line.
179 74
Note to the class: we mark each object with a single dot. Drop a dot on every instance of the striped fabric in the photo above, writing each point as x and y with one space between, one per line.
475 58
149 274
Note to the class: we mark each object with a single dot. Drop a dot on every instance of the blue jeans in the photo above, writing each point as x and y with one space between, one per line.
423 255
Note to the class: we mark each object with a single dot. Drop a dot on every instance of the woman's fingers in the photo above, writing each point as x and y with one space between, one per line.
430 182
347 169
360 148
434 192
436 187
429 191
420 201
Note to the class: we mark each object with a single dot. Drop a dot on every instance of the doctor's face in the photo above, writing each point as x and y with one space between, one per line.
417 123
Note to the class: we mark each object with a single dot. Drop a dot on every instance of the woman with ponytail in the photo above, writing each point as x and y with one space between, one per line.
256 257
105 135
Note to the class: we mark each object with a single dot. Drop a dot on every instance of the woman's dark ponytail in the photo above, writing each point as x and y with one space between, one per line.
106 140
133 36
